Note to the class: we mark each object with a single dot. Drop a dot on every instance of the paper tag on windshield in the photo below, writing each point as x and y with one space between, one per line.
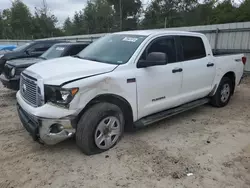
130 39
60 48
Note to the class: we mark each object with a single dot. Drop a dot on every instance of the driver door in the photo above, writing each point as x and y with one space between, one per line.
159 87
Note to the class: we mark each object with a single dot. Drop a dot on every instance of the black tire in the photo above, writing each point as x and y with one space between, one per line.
87 125
217 98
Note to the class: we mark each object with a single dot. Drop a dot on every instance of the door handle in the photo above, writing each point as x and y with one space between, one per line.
210 65
177 70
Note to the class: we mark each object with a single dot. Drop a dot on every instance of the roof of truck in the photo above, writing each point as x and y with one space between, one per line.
157 31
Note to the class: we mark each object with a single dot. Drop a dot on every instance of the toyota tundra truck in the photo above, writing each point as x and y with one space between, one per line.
123 81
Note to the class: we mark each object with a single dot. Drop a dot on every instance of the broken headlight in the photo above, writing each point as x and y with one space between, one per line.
58 95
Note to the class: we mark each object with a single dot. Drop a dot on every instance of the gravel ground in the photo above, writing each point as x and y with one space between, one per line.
212 144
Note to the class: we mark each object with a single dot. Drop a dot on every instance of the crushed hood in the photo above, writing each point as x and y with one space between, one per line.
60 70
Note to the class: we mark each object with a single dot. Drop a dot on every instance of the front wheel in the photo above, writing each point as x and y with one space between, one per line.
100 128
223 93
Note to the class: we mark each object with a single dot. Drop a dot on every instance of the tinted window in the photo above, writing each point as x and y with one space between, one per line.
22 47
73 50
114 48
192 47
42 47
164 45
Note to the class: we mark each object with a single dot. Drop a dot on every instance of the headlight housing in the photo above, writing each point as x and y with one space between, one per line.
13 72
58 95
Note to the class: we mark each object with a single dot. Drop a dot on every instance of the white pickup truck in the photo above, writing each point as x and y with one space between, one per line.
123 81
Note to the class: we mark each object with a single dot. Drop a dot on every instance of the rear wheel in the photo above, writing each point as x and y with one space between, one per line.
223 93
100 128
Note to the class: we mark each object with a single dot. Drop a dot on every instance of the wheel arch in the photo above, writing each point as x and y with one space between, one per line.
232 77
117 100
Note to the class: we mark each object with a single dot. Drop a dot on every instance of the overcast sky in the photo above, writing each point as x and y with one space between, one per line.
60 8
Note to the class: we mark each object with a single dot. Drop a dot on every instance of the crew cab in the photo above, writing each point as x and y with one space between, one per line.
123 81
28 50
13 68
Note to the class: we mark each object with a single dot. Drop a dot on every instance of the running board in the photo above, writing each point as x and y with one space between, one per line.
167 113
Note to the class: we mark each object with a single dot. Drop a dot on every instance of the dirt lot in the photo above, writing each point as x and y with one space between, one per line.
211 143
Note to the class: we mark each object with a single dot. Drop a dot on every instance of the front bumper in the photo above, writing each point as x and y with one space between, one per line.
41 128
10 83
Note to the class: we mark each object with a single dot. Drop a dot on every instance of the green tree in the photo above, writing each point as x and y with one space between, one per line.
7 28
162 13
79 26
1 26
224 12
129 14
96 17
101 16
68 27
201 14
44 23
20 20
153 16
243 12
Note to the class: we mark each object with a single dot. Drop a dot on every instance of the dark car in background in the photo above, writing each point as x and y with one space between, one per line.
28 50
13 68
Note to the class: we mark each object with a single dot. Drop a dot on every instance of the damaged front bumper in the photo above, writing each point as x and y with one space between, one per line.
46 130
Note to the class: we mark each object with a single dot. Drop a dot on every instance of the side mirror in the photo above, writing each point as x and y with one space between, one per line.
153 59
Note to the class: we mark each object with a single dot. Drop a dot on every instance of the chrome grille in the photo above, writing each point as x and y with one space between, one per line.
28 89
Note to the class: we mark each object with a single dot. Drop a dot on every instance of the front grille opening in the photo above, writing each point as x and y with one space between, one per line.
29 90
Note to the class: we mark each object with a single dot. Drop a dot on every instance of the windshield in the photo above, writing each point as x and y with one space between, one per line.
113 49
54 52
20 48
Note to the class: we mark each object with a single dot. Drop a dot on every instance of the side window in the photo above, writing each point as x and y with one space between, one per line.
192 47
164 45
40 47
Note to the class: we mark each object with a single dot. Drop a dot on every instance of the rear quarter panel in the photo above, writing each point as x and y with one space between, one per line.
228 63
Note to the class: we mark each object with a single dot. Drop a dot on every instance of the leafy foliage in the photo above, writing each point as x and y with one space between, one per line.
101 16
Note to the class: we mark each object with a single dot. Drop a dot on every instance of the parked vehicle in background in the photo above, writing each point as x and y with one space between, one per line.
11 74
121 81
32 49
6 48
2 52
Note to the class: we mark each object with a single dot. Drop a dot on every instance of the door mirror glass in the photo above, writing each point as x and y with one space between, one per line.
153 59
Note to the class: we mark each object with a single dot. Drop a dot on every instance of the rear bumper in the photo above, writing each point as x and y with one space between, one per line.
10 83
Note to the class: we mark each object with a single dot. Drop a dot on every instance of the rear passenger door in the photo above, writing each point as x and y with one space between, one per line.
198 70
